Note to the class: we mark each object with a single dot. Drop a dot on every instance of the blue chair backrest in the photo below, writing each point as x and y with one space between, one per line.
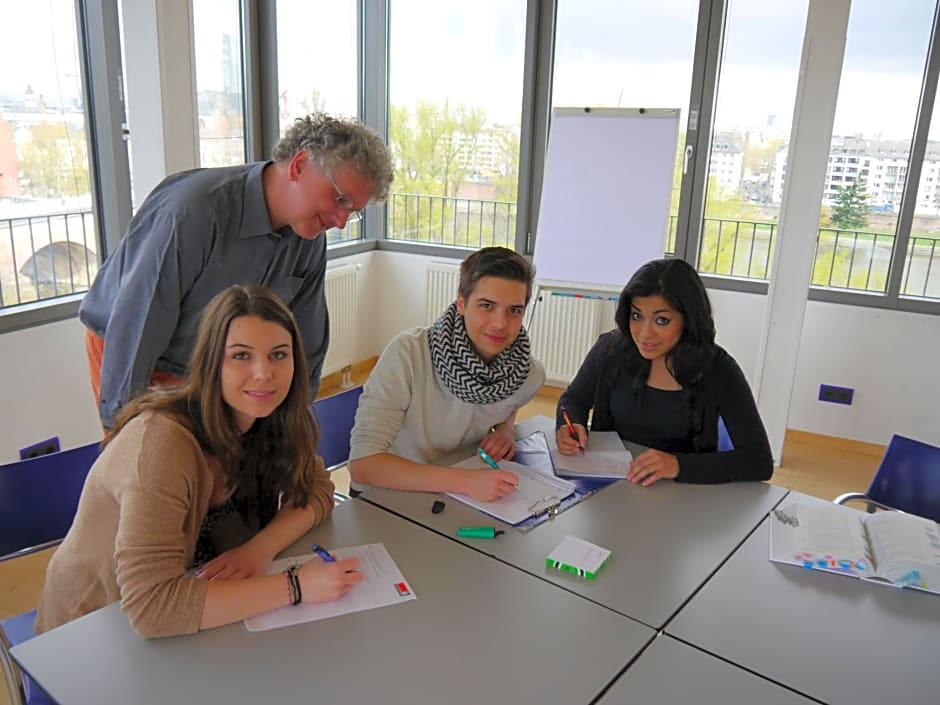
724 440
909 478
39 496
335 417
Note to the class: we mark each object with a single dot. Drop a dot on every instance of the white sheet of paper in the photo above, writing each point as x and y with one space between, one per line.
579 553
537 491
605 457
382 585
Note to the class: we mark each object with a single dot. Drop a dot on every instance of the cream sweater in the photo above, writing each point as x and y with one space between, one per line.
406 410
135 532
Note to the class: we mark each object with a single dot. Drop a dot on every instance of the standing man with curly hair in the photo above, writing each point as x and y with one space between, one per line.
200 231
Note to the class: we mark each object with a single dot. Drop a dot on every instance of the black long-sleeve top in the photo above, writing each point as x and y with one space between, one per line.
684 423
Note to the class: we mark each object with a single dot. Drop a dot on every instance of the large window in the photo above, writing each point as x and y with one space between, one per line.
631 54
218 52
921 274
759 69
317 67
455 102
886 49
48 235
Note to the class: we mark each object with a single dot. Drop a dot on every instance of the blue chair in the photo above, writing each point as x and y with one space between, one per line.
724 440
335 416
907 480
38 500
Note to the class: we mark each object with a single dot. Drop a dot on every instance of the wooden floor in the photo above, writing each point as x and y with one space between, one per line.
817 465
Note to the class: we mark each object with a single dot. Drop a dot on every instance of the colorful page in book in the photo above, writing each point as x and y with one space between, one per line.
537 492
604 457
906 549
822 536
382 585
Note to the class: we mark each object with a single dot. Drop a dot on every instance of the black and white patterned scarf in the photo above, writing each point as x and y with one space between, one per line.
463 371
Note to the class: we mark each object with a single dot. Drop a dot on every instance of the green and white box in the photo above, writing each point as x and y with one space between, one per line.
578 557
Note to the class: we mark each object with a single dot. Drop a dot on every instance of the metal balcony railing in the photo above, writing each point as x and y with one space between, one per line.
446 220
45 256
857 260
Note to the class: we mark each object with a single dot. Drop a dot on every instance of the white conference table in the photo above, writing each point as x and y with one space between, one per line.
479 632
670 672
832 637
666 539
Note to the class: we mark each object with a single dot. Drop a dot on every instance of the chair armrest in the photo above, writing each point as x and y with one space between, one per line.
849 496
860 497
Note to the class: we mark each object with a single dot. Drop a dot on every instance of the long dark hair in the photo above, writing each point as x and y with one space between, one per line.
679 284
276 458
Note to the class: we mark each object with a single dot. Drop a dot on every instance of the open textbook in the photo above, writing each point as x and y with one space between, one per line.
887 547
382 585
538 493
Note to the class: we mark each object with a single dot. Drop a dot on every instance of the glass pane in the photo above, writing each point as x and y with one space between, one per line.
218 49
48 236
630 54
753 113
886 49
922 263
455 96
317 67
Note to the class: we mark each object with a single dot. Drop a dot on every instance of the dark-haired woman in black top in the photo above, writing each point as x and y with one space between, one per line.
660 380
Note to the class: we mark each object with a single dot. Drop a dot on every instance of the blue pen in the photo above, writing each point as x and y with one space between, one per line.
487 459
322 552
492 463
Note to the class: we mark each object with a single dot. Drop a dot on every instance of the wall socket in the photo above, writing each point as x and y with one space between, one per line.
50 445
836 395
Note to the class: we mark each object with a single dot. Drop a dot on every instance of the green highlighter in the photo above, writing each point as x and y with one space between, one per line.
479 532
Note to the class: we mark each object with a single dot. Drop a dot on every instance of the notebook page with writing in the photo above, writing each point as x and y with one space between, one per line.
382 585
537 492
604 457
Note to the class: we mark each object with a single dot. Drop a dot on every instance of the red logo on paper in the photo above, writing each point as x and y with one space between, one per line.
403 590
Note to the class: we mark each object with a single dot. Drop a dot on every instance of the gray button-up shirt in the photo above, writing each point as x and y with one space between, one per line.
197 233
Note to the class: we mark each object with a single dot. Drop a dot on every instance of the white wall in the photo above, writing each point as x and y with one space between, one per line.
46 391
886 356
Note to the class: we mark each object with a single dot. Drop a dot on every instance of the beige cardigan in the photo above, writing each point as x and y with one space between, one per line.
134 535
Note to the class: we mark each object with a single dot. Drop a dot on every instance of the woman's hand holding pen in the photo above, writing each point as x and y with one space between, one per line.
567 443
489 485
653 465
326 582
499 444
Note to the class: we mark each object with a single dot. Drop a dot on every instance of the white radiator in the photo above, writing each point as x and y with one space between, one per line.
442 280
341 302
562 330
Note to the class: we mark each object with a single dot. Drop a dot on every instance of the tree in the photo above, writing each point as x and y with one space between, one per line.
433 149
430 146
850 211
54 161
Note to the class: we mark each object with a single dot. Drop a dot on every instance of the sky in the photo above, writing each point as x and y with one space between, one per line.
634 53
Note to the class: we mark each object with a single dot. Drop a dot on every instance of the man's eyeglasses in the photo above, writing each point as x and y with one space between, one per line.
344 202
